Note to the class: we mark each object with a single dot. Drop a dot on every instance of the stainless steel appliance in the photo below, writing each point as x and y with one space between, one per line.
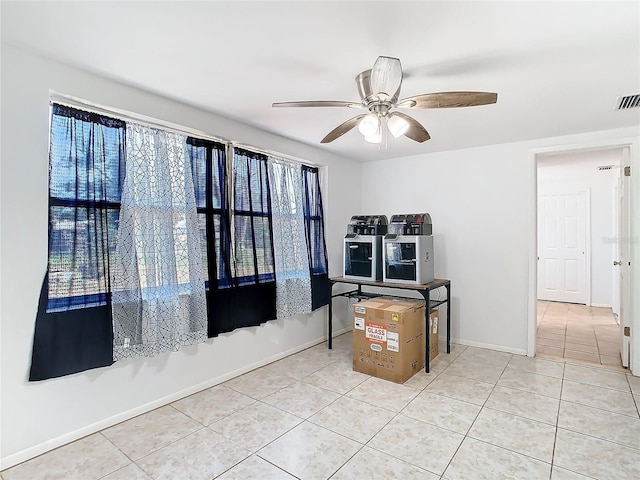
408 250
362 254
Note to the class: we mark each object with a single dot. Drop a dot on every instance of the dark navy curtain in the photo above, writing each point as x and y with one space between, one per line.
73 329
208 164
240 267
251 299
314 224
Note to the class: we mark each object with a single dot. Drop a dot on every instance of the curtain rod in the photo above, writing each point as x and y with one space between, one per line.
281 156
147 121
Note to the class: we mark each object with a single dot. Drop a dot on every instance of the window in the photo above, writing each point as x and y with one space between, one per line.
114 222
235 236
314 220
208 164
86 175
252 239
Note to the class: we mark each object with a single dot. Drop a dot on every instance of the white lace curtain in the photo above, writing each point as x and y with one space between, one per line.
158 299
293 282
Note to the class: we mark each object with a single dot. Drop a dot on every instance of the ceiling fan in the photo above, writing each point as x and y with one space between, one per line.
379 89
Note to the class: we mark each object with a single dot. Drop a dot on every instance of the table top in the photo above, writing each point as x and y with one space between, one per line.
438 282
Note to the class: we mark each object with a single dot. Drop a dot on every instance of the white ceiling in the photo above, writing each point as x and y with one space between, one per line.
557 67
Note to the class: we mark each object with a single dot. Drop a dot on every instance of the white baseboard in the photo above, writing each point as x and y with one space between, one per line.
337 333
601 305
31 452
489 346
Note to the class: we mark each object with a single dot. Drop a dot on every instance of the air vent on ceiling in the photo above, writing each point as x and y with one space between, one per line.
628 101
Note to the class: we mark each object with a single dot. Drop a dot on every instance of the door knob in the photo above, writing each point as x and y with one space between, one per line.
617 263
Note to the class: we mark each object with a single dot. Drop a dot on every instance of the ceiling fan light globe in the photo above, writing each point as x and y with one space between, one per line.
398 126
375 138
369 125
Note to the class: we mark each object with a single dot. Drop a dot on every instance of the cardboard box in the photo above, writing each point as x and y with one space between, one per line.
388 338
434 337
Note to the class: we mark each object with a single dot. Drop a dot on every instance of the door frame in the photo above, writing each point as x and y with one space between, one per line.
633 145
624 233
587 234
617 213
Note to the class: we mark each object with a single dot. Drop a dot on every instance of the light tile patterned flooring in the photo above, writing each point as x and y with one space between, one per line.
578 333
479 414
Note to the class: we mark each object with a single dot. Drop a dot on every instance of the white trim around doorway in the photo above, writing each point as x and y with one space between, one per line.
633 145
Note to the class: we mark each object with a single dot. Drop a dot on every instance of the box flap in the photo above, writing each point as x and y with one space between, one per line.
399 306
375 303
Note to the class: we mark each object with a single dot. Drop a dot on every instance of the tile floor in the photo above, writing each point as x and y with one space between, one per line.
479 414
578 333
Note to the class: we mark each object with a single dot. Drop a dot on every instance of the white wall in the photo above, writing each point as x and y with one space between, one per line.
481 201
469 194
574 172
42 415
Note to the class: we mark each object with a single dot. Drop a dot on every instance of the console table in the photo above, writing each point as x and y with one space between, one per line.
424 290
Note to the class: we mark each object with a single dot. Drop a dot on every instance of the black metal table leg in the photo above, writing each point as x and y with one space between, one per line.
427 314
330 321
448 287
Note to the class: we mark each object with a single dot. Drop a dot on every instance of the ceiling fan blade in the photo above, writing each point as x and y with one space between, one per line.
319 103
448 100
342 129
415 131
386 76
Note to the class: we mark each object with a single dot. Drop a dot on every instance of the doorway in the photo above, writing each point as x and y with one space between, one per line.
577 208
578 333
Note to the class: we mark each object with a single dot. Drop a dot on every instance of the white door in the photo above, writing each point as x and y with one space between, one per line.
623 260
562 246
